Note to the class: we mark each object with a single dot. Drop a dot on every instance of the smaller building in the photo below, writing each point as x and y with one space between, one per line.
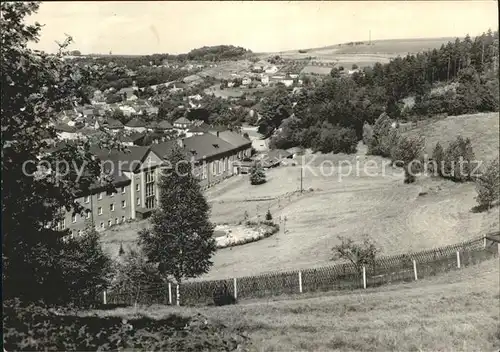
182 123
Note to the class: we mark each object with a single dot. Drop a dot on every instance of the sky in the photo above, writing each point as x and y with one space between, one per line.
147 27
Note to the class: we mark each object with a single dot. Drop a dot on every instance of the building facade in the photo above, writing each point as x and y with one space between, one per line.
135 193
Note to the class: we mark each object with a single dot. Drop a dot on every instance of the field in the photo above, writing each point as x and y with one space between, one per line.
225 69
454 312
232 92
365 55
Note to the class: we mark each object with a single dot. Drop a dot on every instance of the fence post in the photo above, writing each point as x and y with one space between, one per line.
104 298
415 269
458 259
235 286
178 294
300 281
364 277
484 242
169 293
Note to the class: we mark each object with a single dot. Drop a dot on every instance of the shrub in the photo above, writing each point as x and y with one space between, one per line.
438 157
458 160
257 175
268 215
222 296
358 254
406 151
488 185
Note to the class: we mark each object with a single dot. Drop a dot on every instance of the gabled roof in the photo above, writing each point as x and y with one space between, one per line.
235 139
136 122
113 123
164 125
61 127
205 145
182 120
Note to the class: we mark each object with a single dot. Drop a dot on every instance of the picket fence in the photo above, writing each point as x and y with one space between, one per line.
385 270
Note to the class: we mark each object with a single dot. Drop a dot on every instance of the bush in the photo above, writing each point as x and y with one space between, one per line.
269 217
488 185
223 297
458 160
438 157
257 175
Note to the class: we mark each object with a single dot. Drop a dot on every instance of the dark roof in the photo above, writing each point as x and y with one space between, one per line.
136 122
163 149
182 120
206 145
235 139
128 160
113 123
133 137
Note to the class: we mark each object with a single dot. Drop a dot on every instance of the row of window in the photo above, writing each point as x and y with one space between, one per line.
99 212
86 199
101 226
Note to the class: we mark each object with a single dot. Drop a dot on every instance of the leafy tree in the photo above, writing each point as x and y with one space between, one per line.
35 88
488 185
407 151
180 242
257 175
458 160
354 67
438 158
86 269
358 254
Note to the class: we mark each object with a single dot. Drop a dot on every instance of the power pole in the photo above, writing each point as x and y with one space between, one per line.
370 38
301 176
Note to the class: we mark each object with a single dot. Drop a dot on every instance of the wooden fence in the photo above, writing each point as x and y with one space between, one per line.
384 270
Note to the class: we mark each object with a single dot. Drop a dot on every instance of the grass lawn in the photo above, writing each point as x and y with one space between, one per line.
457 311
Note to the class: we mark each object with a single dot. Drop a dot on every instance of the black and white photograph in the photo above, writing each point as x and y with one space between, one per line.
250 176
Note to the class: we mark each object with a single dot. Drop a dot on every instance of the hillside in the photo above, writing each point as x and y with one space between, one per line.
365 54
453 312
482 129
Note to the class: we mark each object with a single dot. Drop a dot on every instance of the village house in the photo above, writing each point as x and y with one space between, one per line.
112 125
66 132
182 123
136 125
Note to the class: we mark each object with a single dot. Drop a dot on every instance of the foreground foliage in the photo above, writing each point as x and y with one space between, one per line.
36 87
35 328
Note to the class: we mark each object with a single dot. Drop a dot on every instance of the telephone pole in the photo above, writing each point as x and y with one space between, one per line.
301 176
